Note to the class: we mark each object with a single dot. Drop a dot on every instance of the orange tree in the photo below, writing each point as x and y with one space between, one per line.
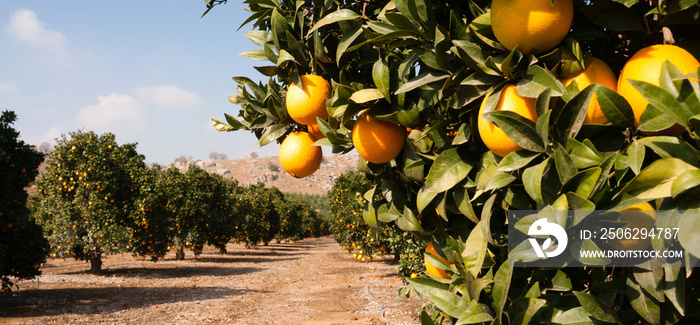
22 244
153 229
352 232
86 198
470 158
260 218
202 209
298 220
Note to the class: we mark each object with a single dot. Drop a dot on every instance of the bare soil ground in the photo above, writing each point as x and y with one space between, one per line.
307 282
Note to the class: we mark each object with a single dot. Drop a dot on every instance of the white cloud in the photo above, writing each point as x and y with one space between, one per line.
8 86
26 27
119 114
167 96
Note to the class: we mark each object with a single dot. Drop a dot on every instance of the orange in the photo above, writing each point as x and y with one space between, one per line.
640 216
298 156
494 138
645 65
315 131
534 26
432 270
307 102
377 141
598 72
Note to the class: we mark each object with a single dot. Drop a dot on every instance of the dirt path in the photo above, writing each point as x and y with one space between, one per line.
308 282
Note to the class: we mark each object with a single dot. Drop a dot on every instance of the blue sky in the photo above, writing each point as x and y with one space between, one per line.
150 72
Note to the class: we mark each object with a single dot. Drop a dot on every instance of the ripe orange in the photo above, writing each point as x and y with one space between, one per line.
640 216
432 270
534 26
377 141
494 138
315 131
645 65
307 102
596 72
298 156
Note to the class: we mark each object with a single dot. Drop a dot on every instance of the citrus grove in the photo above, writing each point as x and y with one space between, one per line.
98 197
496 106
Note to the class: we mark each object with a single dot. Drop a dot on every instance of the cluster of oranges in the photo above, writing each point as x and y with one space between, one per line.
377 141
542 25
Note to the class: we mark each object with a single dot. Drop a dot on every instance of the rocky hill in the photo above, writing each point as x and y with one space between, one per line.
268 171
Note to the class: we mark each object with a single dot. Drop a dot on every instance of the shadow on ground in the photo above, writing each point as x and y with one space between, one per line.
83 301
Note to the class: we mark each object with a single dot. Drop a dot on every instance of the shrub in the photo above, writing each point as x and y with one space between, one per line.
86 198
23 247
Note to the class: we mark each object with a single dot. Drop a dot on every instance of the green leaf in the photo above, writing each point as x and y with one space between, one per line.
651 281
647 307
346 41
523 309
448 170
254 54
663 101
472 317
334 17
382 77
538 80
688 180
295 49
464 205
656 181
501 285
596 307
425 319
408 222
259 37
583 183
566 168
674 287
426 285
542 125
424 198
221 126
615 108
532 180
571 117
516 160
582 155
421 80
613 16
236 100
560 282
518 128
448 302
671 147
574 316
475 249
278 26
635 156
580 206
272 133
680 5
653 120
366 95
